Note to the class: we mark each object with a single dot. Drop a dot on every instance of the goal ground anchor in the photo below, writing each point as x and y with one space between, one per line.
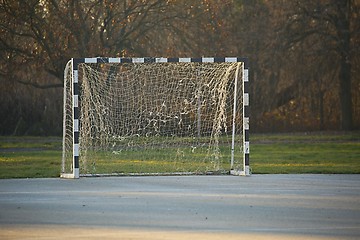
246 172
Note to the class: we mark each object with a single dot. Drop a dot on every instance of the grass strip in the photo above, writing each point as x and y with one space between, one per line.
328 153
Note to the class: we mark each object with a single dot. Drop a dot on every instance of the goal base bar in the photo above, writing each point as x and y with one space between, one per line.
231 172
154 174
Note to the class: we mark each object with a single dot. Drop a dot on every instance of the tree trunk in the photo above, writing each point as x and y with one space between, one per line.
343 26
345 95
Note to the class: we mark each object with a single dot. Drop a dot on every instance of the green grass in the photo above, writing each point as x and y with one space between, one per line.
29 164
341 157
28 157
8 142
321 152
155 161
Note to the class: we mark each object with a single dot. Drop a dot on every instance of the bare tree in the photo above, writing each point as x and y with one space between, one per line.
38 37
324 28
44 34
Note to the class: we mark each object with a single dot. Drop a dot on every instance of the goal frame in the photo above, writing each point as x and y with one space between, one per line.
75 105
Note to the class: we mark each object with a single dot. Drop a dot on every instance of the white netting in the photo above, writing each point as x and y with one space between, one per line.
67 153
156 117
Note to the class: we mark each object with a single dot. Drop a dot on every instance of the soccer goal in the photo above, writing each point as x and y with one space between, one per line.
125 116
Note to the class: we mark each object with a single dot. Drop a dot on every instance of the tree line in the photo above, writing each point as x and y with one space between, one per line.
304 55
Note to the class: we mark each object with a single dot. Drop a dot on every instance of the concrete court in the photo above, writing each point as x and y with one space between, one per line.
182 207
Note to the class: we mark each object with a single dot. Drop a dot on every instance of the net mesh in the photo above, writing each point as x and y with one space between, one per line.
155 117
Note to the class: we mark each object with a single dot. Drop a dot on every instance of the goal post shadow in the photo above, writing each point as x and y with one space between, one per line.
73 110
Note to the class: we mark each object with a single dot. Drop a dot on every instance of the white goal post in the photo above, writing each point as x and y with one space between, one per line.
161 116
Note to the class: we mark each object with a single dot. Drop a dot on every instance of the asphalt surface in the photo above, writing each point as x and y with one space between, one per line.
182 207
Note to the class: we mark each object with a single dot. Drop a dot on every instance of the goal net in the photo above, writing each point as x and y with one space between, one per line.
126 116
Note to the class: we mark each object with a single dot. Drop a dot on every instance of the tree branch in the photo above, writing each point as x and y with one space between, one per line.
41 86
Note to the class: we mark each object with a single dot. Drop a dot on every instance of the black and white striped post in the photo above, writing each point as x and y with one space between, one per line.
75 100
76 121
246 116
245 120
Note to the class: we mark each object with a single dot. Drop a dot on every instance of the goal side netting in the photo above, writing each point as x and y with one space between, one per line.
126 116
